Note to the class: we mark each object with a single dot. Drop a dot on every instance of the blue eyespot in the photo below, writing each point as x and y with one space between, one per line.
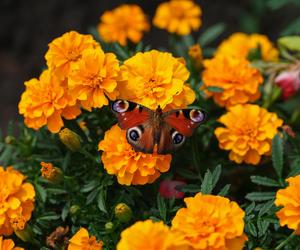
197 115
134 135
120 106
178 138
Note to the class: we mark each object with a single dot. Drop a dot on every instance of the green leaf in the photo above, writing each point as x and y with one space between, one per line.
250 208
41 192
277 154
224 191
262 226
292 28
101 200
266 208
264 181
211 34
216 175
162 207
207 184
290 42
214 89
251 228
191 188
260 196
65 211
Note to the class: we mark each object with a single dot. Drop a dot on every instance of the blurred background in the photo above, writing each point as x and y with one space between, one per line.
26 28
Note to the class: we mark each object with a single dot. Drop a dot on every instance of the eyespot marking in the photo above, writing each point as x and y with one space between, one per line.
197 116
177 138
134 134
120 106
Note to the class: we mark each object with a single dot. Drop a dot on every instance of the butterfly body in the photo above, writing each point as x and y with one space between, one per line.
146 128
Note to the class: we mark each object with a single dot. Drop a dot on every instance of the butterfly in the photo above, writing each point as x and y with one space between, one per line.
146 128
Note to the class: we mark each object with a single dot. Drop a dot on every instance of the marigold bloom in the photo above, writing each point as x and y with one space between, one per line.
16 200
289 214
240 44
8 244
126 22
130 167
248 133
211 222
66 50
137 237
45 101
81 241
94 76
178 16
239 81
155 78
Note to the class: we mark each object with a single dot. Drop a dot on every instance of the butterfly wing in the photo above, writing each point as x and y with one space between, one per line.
176 126
137 121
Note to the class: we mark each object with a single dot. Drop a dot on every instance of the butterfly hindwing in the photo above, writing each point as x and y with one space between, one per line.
136 120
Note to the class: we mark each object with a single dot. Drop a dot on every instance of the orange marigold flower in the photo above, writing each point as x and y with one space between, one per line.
240 44
155 78
45 101
94 76
289 214
16 200
130 167
239 81
66 50
8 244
137 236
81 241
248 133
178 16
211 222
126 22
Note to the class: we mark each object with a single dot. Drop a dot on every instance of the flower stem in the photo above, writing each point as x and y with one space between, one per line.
284 243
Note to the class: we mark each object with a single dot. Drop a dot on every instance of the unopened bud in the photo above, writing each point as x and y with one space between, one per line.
74 209
109 226
9 139
51 173
123 212
195 53
21 229
70 139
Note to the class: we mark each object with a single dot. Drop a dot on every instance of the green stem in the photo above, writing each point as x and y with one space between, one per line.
284 243
87 155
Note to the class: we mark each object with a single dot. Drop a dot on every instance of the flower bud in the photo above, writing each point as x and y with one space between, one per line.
195 53
109 226
167 189
123 212
51 173
21 229
70 139
10 139
289 82
74 209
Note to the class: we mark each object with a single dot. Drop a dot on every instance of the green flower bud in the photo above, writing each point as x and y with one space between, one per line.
74 209
10 139
70 139
123 213
109 226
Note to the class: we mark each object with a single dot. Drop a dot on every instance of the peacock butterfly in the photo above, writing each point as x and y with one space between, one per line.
146 128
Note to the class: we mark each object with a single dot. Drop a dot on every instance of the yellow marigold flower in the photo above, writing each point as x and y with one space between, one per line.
93 77
45 101
137 236
195 53
8 244
126 22
211 222
239 81
248 133
66 50
289 214
154 78
16 200
178 16
130 167
82 241
240 44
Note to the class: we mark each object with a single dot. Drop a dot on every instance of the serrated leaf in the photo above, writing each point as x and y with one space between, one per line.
251 228
65 211
92 196
250 208
216 175
264 181
262 227
266 208
161 205
207 184
211 33
260 196
277 155
41 192
224 191
214 89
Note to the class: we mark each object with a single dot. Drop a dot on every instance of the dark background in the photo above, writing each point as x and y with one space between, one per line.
27 26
